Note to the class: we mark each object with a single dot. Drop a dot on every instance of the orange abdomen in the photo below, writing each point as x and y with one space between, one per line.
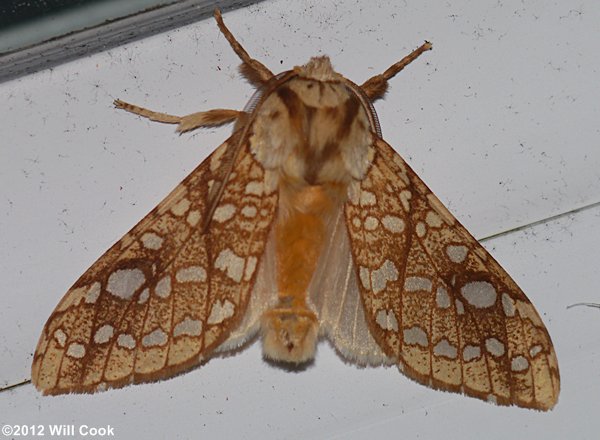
290 329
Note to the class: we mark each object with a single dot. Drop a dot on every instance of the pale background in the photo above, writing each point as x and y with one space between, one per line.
501 120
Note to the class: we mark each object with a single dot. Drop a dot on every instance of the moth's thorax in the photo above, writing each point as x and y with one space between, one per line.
311 131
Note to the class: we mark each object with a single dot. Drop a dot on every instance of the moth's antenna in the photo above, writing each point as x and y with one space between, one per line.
376 86
251 67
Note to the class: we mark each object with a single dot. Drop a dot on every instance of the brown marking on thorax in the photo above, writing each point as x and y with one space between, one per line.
319 130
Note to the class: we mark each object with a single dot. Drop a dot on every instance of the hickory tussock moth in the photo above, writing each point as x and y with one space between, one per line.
304 223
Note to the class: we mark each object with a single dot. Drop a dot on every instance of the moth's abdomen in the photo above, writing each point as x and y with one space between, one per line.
291 327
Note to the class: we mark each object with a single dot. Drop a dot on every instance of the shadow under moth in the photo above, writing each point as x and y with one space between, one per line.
304 224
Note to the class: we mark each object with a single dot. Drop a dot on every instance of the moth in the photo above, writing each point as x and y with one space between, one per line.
304 224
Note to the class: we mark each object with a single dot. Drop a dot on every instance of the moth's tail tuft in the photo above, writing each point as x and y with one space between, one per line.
290 335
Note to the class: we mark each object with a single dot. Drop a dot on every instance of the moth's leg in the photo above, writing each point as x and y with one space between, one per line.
376 86
254 70
185 123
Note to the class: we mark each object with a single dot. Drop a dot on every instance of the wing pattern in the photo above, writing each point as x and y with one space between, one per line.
436 300
167 294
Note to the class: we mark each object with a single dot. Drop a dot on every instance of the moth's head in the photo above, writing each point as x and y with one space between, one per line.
318 68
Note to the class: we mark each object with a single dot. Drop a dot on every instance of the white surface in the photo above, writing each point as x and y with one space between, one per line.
500 119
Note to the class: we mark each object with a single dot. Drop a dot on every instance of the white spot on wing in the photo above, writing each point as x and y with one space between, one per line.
103 334
156 338
380 277
249 211
193 218
519 363
231 264
414 284
393 224
533 351
215 160
415 336
460 308
76 350
181 207
387 320
220 312
152 241
471 352
126 341
494 347
442 298
367 198
61 337
371 223
480 294
191 274
189 327
144 296
224 213
433 220
124 282
93 293
365 280
421 229
457 254
254 188
508 305
163 287
405 196
444 348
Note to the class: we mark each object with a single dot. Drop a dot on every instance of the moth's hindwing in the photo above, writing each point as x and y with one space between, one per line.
436 300
168 293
